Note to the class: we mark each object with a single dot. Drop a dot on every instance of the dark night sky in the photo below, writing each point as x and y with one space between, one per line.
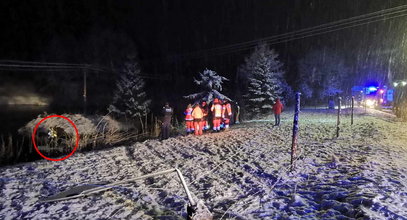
103 32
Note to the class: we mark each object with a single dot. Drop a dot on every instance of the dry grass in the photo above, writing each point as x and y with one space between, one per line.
11 150
93 131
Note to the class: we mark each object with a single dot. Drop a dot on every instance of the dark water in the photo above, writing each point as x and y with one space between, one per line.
13 117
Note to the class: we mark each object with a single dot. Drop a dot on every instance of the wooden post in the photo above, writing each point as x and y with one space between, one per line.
294 144
338 120
84 91
352 106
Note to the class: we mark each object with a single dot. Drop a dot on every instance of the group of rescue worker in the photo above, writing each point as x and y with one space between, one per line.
197 116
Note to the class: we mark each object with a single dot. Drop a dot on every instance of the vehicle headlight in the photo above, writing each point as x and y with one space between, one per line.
370 103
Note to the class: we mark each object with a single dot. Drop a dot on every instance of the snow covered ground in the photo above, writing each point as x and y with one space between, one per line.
239 174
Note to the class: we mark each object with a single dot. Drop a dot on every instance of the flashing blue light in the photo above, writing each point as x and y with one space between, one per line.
372 89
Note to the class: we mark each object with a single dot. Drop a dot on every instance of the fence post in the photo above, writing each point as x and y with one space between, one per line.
352 106
338 120
294 144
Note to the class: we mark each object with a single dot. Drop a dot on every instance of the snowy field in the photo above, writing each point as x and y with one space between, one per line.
239 174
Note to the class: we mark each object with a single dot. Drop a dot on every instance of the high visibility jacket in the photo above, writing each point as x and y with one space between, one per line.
216 110
197 113
226 110
188 114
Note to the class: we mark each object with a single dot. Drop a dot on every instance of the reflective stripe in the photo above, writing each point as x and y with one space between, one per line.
217 109
188 114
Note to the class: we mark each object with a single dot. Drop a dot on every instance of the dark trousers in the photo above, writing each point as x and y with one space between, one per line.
165 131
277 119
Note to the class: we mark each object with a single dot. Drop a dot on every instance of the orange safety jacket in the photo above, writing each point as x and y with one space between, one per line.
217 110
197 113
226 110
188 114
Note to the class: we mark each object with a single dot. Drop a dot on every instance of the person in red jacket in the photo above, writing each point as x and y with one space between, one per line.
189 120
216 110
277 109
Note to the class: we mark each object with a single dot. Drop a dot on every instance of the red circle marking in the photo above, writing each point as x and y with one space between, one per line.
55 116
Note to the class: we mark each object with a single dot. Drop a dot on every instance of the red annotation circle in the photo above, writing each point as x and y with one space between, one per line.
55 116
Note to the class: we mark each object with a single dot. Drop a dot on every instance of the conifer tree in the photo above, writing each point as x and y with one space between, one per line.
265 80
211 86
130 99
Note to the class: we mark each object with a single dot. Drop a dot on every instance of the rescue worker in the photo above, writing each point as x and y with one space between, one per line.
216 110
189 120
226 113
222 121
277 109
205 109
198 115
167 115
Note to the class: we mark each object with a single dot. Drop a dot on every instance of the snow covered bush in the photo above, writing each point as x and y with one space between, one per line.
265 82
130 99
211 86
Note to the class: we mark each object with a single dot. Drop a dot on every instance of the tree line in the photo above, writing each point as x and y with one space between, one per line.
260 81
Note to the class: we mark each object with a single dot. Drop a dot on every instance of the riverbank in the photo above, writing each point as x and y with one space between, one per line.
95 132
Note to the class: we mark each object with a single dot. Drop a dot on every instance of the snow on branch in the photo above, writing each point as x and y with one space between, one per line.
211 85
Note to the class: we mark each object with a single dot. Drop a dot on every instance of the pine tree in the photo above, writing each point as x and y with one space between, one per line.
265 80
130 98
211 85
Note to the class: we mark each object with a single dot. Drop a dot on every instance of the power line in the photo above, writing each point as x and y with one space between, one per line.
43 63
276 39
302 35
328 25
18 65
292 35
306 32
307 35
